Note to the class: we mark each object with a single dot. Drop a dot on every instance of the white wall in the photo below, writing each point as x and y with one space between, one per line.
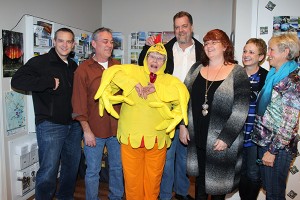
84 15
245 24
80 14
251 15
156 15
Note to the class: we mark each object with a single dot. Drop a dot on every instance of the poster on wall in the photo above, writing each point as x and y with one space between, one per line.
118 55
286 24
118 51
118 40
167 36
13 53
15 118
138 40
82 47
42 34
134 58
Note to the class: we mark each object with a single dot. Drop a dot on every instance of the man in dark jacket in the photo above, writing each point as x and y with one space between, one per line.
50 79
182 52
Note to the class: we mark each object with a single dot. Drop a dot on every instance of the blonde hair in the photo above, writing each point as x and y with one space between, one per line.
287 41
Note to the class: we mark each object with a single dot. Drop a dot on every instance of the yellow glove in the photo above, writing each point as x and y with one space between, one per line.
175 92
107 78
172 118
184 97
107 100
116 99
118 75
172 133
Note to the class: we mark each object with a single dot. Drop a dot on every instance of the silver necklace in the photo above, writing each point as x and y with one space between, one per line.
207 87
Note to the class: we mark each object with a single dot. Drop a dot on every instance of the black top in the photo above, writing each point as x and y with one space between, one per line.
37 75
197 98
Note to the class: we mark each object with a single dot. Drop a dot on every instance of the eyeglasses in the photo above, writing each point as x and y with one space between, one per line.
214 42
156 58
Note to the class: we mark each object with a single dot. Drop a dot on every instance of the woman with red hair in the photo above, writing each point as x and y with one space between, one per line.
218 108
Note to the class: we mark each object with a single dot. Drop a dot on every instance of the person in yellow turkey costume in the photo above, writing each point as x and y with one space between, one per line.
153 104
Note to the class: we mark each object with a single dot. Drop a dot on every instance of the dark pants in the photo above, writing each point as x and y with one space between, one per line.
274 178
174 177
57 145
250 182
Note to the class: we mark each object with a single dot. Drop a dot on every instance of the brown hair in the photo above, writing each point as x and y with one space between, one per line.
261 45
183 14
64 30
217 34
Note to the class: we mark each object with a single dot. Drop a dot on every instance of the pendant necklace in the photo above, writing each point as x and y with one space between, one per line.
207 87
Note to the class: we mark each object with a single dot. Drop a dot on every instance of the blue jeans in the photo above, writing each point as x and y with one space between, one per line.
250 169
250 182
274 178
93 156
57 145
175 170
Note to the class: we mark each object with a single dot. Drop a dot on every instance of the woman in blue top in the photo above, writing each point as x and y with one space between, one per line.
277 119
254 54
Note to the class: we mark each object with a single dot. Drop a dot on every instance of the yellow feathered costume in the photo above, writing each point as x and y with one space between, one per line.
154 118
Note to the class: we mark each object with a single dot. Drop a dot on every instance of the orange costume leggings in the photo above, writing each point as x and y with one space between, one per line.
143 169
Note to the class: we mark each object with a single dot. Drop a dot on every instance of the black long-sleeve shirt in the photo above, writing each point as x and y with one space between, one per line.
37 76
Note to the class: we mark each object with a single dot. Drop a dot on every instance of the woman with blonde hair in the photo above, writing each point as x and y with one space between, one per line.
277 118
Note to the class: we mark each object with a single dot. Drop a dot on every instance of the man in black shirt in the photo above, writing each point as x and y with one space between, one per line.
50 79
